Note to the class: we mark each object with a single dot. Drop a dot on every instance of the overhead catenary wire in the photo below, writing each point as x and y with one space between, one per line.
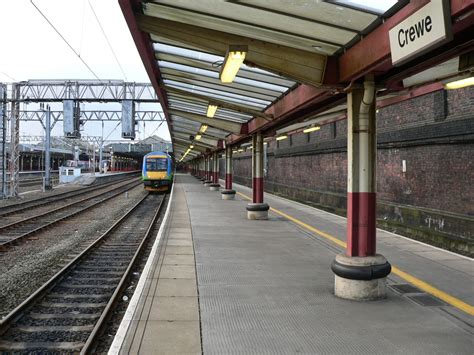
82 25
107 39
8 76
64 39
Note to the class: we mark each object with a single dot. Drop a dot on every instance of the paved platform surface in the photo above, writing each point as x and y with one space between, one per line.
165 319
265 287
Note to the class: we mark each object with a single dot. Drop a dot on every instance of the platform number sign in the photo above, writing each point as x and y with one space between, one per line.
425 29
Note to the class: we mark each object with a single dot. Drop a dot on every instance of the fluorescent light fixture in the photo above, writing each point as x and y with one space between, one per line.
198 137
211 110
311 129
458 84
280 138
240 150
234 151
203 128
233 60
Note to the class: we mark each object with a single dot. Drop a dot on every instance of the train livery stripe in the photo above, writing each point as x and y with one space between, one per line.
451 300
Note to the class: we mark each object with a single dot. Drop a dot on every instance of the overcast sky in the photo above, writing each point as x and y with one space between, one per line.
31 49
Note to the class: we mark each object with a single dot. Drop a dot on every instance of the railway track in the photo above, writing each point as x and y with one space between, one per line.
31 221
37 181
69 312
34 203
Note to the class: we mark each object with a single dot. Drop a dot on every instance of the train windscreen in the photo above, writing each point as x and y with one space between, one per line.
156 164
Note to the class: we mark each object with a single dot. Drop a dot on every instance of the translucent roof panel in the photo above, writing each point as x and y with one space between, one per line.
218 94
215 75
373 6
190 39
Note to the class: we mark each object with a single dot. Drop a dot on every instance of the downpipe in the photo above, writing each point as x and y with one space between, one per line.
363 129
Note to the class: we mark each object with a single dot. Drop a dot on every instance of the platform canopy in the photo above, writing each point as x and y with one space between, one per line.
291 47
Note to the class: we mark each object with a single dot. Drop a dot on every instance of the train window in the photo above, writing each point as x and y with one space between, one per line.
156 164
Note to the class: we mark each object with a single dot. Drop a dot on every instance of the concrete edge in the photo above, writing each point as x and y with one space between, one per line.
127 318
344 218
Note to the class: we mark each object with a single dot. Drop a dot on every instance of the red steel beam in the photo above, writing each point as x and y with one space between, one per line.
373 54
423 90
374 49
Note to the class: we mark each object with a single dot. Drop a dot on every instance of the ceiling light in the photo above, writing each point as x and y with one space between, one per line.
198 137
240 150
280 138
191 146
233 60
211 110
311 129
458 84
203 128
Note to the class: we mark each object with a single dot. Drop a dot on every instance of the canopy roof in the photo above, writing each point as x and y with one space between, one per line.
292 47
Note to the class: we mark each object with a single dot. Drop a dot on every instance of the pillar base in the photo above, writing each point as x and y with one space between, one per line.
228 194
202 180
214 187
207 183
360 278
257 211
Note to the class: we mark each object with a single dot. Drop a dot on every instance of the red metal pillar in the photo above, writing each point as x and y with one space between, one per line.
208 168
215 170
228 167
361 186
360 273
257 168
257 209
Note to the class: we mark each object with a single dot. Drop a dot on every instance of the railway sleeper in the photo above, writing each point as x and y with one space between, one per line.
40 346
62 328
48 316
72 305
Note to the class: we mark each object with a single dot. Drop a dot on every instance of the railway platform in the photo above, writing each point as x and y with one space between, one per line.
101 178
218 283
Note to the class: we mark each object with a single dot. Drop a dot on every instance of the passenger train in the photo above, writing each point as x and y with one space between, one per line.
157 171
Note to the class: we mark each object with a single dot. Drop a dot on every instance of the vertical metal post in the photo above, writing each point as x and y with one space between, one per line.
3 138
257 209
215 177
93 160
47 166
101 148
254 143
361 194
360 273
257 171
14 141
228 167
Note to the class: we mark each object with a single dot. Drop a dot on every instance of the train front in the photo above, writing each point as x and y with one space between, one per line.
156 172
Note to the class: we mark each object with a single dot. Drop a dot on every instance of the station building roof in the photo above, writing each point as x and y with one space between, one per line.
301 56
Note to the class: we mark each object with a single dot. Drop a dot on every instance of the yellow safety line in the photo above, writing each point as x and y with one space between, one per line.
453 301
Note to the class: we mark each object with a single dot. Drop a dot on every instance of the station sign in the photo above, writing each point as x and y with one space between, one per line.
425 29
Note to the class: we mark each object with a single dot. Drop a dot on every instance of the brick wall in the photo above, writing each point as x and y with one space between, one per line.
433 133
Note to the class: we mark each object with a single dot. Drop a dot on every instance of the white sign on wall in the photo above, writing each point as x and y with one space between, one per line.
425 29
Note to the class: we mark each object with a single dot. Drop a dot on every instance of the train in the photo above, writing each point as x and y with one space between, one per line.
157 172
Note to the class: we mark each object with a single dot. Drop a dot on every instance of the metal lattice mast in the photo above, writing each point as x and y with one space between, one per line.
3 138
14 141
